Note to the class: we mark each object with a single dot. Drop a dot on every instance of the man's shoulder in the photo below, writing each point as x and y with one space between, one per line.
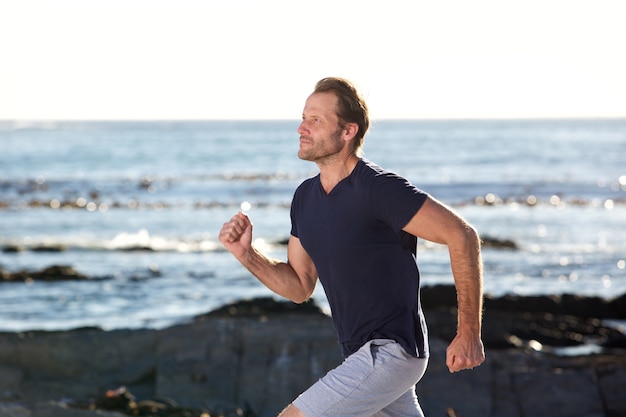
368 169
375 173
369 166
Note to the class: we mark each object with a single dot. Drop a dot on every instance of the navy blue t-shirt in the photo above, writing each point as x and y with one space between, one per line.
365 261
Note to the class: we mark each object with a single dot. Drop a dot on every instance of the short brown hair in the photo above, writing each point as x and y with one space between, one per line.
351 107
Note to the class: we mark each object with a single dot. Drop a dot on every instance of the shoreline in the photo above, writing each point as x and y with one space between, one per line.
610 310
510 321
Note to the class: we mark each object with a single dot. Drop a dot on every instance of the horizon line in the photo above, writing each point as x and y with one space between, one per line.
271 119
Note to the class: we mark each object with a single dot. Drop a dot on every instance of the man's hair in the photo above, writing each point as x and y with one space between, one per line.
351 107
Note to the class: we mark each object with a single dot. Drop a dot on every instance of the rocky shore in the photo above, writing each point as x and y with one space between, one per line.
546 356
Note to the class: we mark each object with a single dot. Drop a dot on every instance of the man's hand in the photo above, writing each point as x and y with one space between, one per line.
236 235
465 352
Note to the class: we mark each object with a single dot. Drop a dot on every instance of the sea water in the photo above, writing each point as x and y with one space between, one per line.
137 207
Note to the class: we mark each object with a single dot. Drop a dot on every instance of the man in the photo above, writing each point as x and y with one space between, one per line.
355 226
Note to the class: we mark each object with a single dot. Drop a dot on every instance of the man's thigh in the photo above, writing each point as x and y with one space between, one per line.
366 382
406 405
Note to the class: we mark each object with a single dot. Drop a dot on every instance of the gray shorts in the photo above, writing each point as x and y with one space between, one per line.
377 380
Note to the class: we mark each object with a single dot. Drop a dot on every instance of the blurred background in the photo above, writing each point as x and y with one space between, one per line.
130 131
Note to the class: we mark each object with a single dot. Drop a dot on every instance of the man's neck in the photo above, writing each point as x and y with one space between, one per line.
333 172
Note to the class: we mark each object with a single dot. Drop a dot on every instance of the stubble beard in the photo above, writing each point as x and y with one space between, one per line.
322 153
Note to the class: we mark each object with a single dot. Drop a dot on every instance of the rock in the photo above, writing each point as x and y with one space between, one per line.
138 248
264 361
464 393
119 399
611 387
444 296
438 297
12 409
10 379
12 249
49 248
566 304
61 409
51 273
252 358
262 307
550 320
79 363
495 243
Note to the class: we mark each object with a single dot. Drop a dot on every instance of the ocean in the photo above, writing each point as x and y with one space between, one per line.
137 207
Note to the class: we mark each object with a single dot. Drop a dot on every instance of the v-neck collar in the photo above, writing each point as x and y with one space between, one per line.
340 184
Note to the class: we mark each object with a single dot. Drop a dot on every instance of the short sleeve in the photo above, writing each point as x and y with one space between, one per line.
394 200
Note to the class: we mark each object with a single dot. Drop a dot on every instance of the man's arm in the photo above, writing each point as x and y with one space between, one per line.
294 279
437 223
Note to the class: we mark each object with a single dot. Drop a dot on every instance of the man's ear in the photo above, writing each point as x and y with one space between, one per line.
350 129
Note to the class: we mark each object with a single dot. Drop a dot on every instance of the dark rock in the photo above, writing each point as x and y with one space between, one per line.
438 296
495 243
523 320
263 306
513 321
503 330
137 249
264 360
123 401
12 249
566 304
611 383
51 273
555 388
119 399
252 358
49 248
444 296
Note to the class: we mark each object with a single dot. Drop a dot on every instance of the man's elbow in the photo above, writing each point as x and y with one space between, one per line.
300 299
302 296
469 238
303 288
472 235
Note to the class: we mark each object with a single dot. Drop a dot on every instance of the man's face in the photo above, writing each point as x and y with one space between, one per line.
320 133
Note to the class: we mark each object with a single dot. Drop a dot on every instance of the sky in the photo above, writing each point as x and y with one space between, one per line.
246 59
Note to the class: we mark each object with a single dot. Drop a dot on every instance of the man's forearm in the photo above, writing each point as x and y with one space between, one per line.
467 270
276 275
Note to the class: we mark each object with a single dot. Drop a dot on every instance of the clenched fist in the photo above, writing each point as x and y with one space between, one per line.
236 235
